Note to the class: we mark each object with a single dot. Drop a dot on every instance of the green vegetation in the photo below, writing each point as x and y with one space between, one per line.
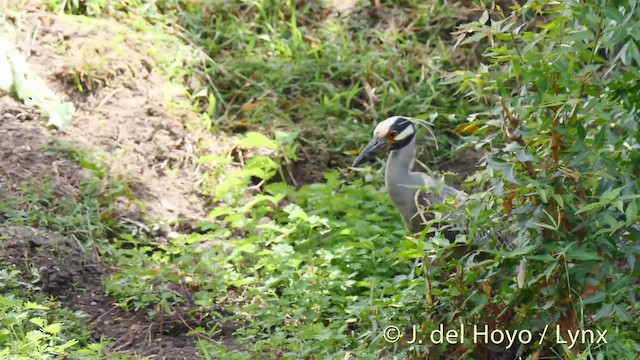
32 330
549 90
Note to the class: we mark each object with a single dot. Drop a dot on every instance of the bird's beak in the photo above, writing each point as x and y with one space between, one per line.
369 151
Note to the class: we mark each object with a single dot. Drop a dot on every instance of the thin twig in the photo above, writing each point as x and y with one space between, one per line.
106 313
304 151
184 322
108 97
425 269
509 131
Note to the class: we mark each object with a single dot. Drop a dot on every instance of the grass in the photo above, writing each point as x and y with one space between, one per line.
290 67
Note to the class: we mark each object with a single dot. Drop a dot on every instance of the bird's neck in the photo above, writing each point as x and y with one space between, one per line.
401 161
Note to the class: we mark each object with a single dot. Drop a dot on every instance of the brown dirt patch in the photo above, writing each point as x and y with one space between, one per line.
73 276
122 108
122 115
27 154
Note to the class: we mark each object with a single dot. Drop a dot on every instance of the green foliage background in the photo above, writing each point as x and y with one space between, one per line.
550 91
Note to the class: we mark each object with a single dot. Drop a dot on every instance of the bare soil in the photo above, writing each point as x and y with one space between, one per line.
122 110
123 116
73 276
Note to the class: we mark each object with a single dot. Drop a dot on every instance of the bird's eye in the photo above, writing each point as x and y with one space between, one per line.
392 134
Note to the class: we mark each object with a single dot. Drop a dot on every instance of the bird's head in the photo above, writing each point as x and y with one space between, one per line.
393 133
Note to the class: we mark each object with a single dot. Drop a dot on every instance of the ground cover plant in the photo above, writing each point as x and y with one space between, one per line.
300 257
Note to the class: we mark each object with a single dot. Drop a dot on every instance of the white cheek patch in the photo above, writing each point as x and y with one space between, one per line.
383 128
408 131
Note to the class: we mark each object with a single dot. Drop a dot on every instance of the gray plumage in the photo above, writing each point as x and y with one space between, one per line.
414 193
407 188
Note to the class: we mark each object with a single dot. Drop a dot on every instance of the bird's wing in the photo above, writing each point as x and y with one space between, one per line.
439 193
432 193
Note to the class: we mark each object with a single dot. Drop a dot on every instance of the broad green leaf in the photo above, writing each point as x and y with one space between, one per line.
474 38
580 254
611 194
18 78
295 212
507 168
595 298
604 312
519 251
282 250
632 211
34 306
484 17
285 137
242 282
622 313
580 36
257 140
524 156
599 140
52 329
38 321
612 13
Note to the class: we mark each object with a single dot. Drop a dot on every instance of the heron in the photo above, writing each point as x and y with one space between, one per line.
414 194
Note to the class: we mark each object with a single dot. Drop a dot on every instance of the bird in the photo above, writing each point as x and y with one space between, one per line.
414 194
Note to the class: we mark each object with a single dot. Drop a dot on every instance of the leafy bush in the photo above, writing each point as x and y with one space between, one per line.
562 131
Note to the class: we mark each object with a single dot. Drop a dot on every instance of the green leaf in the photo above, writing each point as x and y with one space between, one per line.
474 38
52 329
257 140
632 211
507 168
38 321
17 76
519 251
604 312
612 13
285 137
524 156
590 207
595 298
622 313
242 282
295 212
611 194
34 306
282 250
559 199
580 36
599 140
580 254
484 17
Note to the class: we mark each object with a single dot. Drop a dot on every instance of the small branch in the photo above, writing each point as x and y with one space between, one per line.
425 269
509 131
99 318
512 119
184 322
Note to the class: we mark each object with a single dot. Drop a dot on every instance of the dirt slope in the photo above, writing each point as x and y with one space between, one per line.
135 117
